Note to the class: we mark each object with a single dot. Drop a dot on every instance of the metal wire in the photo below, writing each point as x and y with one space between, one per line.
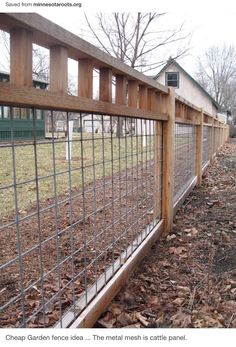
72 207
206 145
185 153
214 130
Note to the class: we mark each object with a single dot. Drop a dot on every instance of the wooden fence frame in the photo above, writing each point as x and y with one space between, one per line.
146 99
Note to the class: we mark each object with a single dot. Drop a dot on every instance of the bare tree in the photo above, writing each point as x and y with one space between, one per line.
216 72
135 38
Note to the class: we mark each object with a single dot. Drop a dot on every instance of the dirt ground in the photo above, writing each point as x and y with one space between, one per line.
189 277
84 251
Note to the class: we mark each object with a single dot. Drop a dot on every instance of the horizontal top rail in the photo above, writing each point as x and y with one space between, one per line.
48 34
185 102
43 99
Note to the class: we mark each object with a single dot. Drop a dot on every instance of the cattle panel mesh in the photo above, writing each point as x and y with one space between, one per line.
74 207
185 152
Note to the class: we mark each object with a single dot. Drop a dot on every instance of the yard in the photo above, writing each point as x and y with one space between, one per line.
77 225
189 278
99 156
56 250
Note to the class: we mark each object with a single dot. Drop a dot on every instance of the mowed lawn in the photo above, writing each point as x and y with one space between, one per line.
98 157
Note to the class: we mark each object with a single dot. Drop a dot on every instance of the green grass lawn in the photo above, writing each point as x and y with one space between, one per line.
25 167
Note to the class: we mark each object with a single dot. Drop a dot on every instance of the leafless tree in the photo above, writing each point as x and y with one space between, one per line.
138 40
216 72
135 38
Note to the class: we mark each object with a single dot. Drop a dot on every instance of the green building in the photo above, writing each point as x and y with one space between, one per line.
22 125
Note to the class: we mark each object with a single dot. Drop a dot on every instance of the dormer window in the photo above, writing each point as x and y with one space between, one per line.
172 79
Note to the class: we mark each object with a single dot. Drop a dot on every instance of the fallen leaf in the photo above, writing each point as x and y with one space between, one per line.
177 250
142 319
233 323
183 289
154 301
181 320
170 237
126 319
115 309
225 237
178 301
106 324
194 232
165 263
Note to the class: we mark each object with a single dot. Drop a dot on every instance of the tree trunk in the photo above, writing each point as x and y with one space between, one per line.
120 127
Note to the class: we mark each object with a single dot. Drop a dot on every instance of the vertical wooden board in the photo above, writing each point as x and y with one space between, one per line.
199 149
158 153
58 70
105 85
21 57
132 93
168 163
218 139
211 142
152 100
158 101
143 97
121 89
85 78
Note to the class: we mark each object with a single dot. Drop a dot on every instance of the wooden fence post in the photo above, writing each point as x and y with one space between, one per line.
158 167
132 93
105 85
21 57
168 162
58 69
85 79
199 148
121 89
211 141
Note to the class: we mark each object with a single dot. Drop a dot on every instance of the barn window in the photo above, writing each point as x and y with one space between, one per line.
172 79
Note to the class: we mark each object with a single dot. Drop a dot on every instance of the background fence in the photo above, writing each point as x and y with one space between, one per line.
206 145
79 208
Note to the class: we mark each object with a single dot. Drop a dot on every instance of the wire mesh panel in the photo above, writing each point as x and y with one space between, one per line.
185 152
220 136
74 207
214 141
206 145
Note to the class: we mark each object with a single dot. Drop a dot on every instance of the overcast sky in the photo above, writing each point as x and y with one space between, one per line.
212 22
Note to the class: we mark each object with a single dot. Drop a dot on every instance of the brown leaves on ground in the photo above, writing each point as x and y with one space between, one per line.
189 277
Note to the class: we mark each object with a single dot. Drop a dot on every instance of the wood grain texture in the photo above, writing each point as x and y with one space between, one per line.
85 78
199 149
47 34
132 93
143 95
26 96
105 85
21 57
58 70
168 163
121 89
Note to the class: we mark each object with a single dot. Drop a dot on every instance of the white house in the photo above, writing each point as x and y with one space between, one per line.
173 75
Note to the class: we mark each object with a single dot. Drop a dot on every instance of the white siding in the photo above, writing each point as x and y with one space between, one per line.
189 90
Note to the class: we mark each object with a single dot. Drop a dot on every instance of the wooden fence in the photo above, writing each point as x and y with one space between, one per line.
146 100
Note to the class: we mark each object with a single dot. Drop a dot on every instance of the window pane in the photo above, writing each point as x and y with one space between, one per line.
172 79
172 84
